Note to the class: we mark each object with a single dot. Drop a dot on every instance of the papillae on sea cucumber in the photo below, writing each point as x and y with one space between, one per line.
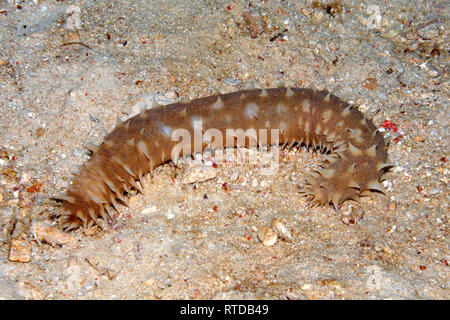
355 152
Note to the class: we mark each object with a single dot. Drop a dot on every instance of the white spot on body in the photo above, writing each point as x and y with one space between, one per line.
372 151
142 147
289 92
352 167
327 173
306 106
346 111
307 128
326 116
108 143
283 127
318 129
281 108
355 134
123 165
354 150
263 93
354 184
165 129
218 104
228 117
251 110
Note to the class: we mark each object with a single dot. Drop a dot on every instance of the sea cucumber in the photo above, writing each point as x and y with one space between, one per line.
355 151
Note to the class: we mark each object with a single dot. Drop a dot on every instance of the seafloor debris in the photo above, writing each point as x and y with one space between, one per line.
20 250
255 22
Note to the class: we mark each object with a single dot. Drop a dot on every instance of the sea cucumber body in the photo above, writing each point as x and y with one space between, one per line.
355 161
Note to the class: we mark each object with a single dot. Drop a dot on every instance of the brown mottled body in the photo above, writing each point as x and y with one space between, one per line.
355 161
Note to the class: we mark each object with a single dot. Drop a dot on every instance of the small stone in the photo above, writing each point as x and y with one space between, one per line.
268 236
71 37
431 31
370 83
92 231
306 286
109 273
434 191
149 210
255 22
351 215
171 95
45 232
74 273
137 250
431 71
283 232
392 206
199 173
377 247
149 282
170 215
232 82
20 250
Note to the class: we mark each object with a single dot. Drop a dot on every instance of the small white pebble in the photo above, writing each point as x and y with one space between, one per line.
149 210
208 163
199 173
149 282
268 236
283 232
306 286
392 229
232 82
435 191
388 185
170 215
397 169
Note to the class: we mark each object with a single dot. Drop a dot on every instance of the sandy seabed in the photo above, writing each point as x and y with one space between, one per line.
70 70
